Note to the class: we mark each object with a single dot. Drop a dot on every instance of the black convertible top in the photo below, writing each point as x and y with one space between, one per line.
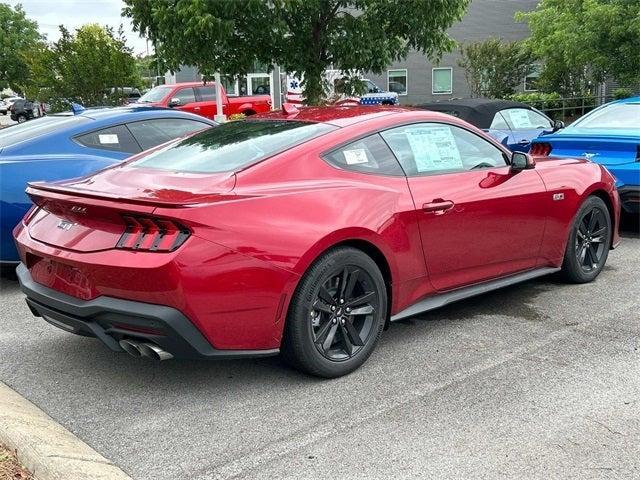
476 111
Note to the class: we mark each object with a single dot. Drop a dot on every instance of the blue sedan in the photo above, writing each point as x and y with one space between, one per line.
63 146
608 135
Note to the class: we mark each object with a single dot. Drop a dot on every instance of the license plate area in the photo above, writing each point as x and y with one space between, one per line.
62 278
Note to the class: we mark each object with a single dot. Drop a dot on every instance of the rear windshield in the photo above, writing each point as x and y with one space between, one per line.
34 128
155 94
618 115
232 146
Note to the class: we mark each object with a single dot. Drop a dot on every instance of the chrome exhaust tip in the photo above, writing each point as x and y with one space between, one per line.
153 351
131 347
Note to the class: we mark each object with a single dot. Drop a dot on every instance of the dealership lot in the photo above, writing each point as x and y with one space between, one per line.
541 379
5 121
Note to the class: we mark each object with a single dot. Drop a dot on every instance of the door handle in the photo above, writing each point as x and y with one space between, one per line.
524 142
197 109
438 206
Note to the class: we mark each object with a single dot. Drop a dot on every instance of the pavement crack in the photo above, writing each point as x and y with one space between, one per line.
604 425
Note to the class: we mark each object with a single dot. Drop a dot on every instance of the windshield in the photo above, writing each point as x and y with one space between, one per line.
34 128
155 94
617 115
232 146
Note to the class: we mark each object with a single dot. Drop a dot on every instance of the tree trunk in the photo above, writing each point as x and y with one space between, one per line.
312 84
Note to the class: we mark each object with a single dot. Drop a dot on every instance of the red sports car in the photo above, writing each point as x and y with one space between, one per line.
305 232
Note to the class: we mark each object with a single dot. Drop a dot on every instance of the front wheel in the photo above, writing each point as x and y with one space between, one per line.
588 244
22 119
336 315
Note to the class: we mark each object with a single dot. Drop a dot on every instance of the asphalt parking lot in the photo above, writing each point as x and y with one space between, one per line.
541 380
5 121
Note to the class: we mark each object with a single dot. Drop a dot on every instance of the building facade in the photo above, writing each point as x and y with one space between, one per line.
426 82
415 79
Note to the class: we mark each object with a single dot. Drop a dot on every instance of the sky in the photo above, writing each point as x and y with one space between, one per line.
74 13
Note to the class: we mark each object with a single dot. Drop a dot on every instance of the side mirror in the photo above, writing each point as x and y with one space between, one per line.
175 102
558 125
522 161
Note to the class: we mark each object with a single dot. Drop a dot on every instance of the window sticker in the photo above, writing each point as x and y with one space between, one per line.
356 156
434 149
108 139
519 118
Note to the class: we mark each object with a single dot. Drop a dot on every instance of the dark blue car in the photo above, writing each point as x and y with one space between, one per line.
63 146
513 124
610 136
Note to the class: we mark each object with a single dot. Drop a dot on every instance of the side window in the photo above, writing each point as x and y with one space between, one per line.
185 95
499 123
207 94
150 133
369 155
525 119
432 148
116 138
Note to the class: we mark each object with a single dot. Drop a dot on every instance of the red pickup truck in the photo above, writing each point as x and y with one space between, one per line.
198 98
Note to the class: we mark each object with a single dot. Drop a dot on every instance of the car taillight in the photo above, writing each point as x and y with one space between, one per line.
152 234
541 149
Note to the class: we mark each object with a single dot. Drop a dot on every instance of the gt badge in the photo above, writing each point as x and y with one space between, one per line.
65 224
558 196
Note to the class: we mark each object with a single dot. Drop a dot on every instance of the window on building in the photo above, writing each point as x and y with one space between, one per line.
230 85
531 80
442 81
397 81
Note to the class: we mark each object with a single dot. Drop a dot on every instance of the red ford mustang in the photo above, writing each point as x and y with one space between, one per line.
305 232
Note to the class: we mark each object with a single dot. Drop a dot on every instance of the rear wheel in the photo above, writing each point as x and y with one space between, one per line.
588 245
22 118
336 315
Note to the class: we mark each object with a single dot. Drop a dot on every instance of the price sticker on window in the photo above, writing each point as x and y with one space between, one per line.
108 139
356 156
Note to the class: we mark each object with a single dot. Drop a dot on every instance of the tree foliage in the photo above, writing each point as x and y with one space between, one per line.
18 35
83 67
304 37
494 68
581 42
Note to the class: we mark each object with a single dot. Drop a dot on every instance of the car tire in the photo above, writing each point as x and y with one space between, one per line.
21 119
589 241
323 334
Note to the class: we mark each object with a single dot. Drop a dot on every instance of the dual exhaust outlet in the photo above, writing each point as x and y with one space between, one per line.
144 349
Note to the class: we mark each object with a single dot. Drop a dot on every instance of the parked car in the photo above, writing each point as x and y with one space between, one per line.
513 124
198 98
23 110
63 146
305 231
610 136
5 104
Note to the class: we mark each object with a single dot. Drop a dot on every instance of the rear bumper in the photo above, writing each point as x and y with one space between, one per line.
111 319
630 198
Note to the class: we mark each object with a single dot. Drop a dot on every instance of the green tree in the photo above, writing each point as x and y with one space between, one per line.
582 42
18 35
494 68
85 66
304 37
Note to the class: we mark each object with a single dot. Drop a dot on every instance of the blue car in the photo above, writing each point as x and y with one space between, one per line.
63 146
610 136
513 124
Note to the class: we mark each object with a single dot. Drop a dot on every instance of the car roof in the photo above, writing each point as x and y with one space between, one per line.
627 100
478 111
340 116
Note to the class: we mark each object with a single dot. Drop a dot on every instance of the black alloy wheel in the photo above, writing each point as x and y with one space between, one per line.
336 315
589 242
343 313
590 239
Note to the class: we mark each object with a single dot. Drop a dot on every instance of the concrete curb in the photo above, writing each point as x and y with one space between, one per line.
45 447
